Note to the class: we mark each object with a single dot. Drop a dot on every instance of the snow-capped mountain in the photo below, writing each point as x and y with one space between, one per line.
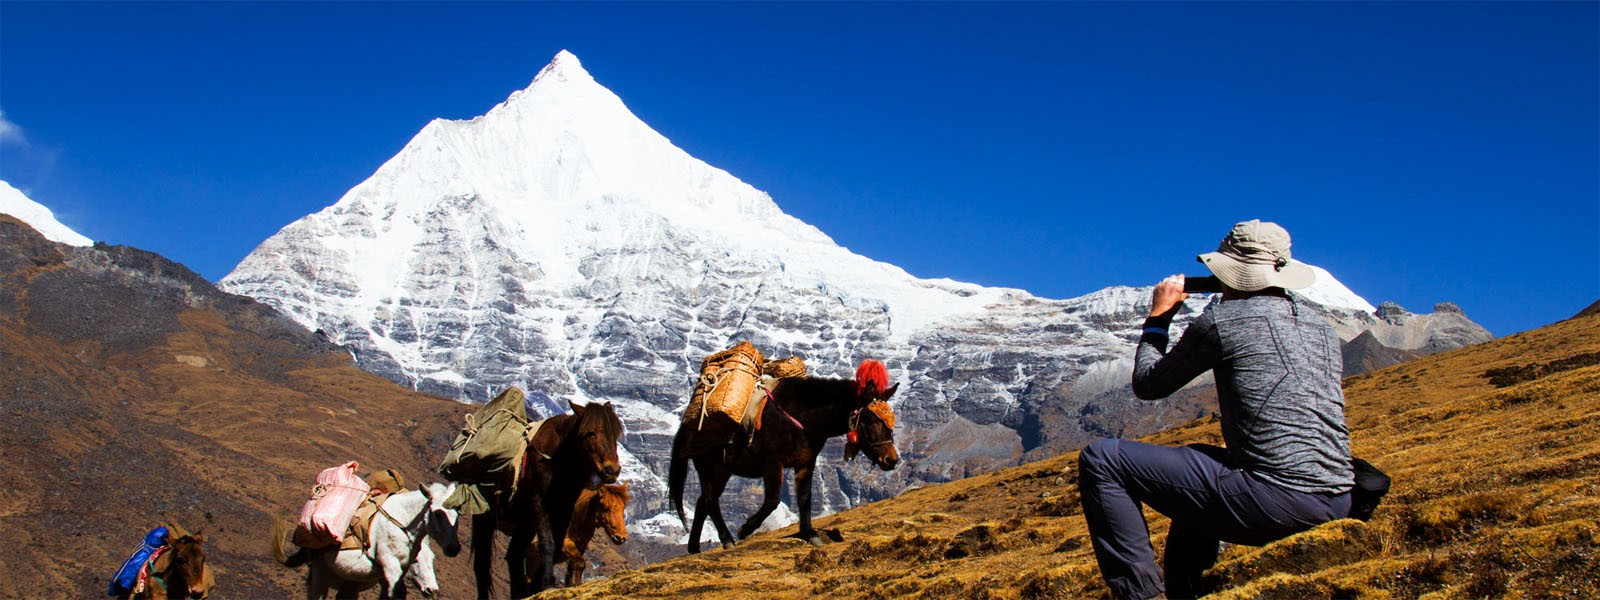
13 202
560 244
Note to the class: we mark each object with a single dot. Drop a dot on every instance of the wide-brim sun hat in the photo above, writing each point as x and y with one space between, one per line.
1255 256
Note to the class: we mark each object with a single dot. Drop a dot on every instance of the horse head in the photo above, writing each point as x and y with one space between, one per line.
187 561
598 430
613 505
441 522
421 573
872 419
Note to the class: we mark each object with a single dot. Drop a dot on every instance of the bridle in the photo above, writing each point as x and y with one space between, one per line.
855 420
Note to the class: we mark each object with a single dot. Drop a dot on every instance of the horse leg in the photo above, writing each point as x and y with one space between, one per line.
576 563
483 531
699 523
704 468
771 483
549 545
399 587
802 494
349 591
719 484
317 582
517 558
391 570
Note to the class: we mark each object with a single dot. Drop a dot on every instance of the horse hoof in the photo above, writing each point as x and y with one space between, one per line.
814 540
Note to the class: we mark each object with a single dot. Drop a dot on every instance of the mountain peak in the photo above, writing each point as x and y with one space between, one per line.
563 68
15 203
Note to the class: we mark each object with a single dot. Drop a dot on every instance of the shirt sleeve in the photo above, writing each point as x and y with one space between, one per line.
1157 373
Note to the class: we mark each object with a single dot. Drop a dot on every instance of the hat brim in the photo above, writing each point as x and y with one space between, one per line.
1247 277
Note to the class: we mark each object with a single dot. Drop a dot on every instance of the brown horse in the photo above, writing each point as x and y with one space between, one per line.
803 413
568 454
180 571
597 507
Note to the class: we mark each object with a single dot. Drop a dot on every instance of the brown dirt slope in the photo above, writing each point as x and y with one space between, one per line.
1493 448
133 392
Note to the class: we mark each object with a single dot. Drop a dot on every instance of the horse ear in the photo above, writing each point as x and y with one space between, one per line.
889 393
427 492
199 538
577 409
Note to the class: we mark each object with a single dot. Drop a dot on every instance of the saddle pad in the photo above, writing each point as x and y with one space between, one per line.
360 534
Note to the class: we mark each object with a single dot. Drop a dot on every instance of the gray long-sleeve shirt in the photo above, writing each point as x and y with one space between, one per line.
1277 370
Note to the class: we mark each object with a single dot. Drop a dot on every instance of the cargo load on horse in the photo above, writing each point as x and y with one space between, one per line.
490 452
734 386
127 575
325 518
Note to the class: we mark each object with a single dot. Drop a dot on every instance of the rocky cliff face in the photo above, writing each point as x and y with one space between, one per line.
559 244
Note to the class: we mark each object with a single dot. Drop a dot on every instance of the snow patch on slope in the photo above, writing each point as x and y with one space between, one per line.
13 202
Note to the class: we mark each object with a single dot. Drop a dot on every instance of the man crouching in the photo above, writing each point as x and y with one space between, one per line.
1286 467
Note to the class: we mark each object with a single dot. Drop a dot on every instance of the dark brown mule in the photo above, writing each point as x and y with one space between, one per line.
797 422
569 453
181 571
602 507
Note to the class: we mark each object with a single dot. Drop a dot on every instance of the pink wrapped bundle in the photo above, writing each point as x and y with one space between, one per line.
333 503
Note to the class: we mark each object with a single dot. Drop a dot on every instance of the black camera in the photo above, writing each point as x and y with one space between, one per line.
1201 284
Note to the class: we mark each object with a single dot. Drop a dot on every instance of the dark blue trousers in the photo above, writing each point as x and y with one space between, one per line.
1208 502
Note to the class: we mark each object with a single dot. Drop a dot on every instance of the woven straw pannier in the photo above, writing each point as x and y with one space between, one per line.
793 366
727 379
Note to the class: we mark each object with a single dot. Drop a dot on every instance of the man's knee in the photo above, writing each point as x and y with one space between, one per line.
1097 458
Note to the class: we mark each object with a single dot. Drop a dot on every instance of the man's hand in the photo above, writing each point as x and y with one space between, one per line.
1164 302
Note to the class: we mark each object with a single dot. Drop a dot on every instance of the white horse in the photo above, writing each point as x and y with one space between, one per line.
398 547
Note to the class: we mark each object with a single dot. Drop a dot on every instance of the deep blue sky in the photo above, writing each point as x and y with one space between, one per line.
1422 152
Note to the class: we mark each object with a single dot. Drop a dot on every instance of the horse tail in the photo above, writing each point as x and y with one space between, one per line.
678 471
299 557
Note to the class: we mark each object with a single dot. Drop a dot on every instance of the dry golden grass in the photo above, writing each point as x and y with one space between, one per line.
1496 494
99 447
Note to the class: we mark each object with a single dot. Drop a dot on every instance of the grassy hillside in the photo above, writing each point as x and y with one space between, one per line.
1494 450
132 392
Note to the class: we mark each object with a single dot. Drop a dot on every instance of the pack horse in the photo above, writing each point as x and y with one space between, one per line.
565 455
798 419
170 563
397 547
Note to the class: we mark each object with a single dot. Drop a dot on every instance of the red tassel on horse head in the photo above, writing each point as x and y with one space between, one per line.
871 373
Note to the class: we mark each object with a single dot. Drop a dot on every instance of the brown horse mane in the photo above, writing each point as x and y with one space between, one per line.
563 426
593 420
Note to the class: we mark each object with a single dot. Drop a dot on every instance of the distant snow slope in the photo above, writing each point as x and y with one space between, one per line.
13 202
